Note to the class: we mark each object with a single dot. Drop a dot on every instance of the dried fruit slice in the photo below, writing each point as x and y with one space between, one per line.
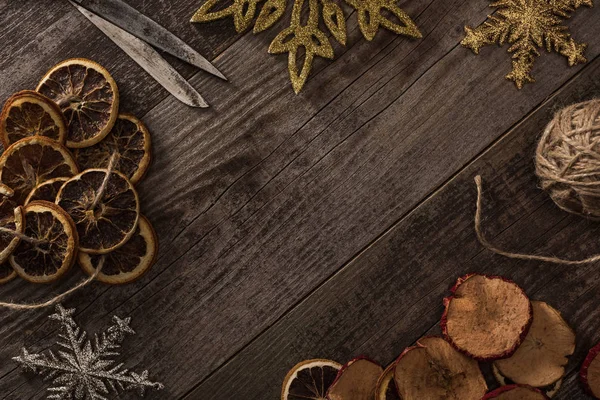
434 370
34 160
46 191
130 140
356 380
386 387
487 317
549 390
7 273
11 225
87 95
128 262
515 392
309 379
541 359
29 113
105 208
51 246
590 372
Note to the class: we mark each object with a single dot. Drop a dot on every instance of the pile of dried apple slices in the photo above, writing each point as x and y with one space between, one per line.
67 180
486 319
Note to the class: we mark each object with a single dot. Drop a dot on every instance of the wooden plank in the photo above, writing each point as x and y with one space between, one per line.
36 34
391 294
286 188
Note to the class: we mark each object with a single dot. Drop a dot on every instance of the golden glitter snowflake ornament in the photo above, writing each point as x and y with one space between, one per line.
528 25
308 38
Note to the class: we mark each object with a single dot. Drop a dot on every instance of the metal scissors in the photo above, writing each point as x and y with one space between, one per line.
135 34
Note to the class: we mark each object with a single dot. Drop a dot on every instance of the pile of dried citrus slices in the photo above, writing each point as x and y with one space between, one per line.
486 319
67 180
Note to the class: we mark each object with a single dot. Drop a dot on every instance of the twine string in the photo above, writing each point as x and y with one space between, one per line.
485 243
59 297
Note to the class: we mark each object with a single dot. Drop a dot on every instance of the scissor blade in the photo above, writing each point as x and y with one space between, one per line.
136 23
149 59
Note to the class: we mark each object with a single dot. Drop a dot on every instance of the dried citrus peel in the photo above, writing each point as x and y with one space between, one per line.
541 359
356 380
487 317
434 370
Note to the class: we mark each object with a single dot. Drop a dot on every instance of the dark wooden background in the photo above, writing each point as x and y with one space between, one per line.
326 224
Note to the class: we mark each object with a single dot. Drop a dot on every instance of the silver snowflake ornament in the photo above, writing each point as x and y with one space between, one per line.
82 369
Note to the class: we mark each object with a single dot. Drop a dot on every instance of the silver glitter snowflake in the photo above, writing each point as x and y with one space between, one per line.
84 370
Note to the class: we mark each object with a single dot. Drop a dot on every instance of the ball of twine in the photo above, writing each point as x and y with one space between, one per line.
567 159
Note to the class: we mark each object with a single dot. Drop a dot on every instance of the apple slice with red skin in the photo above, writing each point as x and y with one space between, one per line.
541 359
356 380
386 387
434 370
515 392
486 317
590 372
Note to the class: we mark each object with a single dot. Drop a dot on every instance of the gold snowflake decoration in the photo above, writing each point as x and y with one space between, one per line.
528 25
305 40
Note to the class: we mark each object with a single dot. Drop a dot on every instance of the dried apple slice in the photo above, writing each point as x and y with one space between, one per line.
549 390
434 370
7 273
356 380
386 387
50 246
130 140
128 262
590 372
515 392
87 95
309 380
46 191
487 317
31 161
541 359
104 206
28 113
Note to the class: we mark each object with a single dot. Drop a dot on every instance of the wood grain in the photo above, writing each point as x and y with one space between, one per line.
262 198
391 294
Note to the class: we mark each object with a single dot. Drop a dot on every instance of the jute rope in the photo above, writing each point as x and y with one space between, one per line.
519 256
59 297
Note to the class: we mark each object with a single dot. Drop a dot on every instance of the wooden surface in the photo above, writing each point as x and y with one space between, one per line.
326 224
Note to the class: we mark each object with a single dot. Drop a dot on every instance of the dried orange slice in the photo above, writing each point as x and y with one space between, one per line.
7 273
434 370
128 262
29 113
356 380
386 388
51 247
130 140
309 380
46 191
541 359
104 206
31 161
87 95
11 224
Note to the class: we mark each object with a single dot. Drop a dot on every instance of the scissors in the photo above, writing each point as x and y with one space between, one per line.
135 34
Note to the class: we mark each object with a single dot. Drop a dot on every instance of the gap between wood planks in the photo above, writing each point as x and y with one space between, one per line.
434 192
